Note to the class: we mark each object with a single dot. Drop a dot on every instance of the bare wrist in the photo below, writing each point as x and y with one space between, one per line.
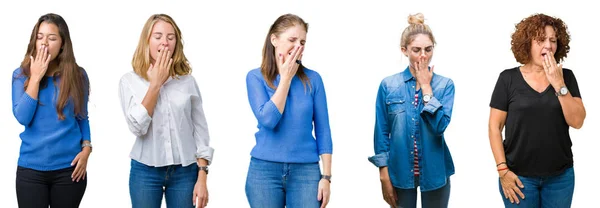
558 86
201 179
87 149
285 80
383 174
426 88
34 80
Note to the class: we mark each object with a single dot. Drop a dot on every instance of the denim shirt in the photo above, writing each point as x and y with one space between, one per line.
398 122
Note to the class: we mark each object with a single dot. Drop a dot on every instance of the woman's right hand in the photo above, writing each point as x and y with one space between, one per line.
159 72
387 189
289 67
511 186
39 64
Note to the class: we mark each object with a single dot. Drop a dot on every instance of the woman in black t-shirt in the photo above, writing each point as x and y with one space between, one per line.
537 102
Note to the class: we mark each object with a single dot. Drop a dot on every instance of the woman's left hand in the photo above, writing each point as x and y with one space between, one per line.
200 194
324 192
81 164
554 72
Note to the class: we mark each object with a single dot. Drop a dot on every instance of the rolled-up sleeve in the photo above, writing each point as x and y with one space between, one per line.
437 112
382 130
136 115
201 136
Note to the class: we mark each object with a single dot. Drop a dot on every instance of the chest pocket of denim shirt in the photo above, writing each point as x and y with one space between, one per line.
395 105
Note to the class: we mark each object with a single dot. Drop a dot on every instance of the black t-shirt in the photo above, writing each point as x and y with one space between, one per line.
537 141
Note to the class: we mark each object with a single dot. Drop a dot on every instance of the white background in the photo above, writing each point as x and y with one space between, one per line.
352 45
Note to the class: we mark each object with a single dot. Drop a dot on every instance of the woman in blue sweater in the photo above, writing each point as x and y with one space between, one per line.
49 95
288 100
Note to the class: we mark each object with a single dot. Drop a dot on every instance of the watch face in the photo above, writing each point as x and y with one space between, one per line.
564 91
426 98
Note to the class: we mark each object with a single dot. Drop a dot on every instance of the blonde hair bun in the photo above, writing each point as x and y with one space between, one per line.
418 18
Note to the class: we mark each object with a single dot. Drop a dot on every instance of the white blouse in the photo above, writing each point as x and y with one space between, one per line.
177 133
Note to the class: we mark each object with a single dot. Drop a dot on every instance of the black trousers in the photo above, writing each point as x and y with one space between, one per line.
40 189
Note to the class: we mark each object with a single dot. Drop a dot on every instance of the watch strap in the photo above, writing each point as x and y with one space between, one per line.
326 177
203 168
86 144
559 93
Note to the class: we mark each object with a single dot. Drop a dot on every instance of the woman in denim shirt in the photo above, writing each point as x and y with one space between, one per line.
413 109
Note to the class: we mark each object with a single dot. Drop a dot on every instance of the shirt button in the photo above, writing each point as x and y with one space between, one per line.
411 170
411 152
412 136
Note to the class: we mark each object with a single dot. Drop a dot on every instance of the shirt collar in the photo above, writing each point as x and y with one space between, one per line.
406 75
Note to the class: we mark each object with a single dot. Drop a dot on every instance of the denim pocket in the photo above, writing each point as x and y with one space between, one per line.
395 105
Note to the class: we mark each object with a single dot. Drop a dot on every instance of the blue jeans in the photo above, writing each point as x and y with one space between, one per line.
147 185
544 192
278 185
407 198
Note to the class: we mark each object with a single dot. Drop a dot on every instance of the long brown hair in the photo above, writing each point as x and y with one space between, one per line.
141 57
73 83
268 68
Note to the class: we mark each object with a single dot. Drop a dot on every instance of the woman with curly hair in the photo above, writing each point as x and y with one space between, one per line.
537 102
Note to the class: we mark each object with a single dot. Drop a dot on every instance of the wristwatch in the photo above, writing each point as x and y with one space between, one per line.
326 177
562 91
204 168
427 97
86 144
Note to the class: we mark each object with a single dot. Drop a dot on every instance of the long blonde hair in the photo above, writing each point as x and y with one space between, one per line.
141 57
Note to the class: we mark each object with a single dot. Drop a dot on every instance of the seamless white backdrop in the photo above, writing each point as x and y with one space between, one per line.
353 45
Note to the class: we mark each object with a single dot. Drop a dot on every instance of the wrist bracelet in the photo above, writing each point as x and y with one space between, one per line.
501 169
505 173
500 164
